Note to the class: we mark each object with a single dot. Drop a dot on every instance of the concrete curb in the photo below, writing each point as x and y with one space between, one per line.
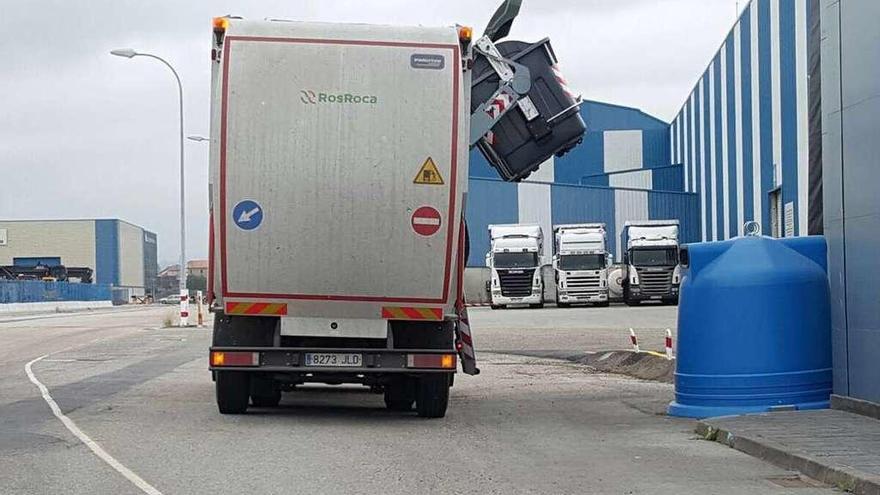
844 478
643 365
14 309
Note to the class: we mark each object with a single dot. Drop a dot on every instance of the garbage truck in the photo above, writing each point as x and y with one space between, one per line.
651 269
338 179
515 260
581 264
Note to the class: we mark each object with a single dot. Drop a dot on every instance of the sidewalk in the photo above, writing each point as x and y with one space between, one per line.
836 447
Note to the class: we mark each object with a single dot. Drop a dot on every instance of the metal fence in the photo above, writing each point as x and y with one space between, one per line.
26 291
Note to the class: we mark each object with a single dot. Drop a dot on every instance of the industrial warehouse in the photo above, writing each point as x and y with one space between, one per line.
547 248
120 256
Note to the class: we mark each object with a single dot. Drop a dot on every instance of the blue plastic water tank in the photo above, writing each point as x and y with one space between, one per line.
754 330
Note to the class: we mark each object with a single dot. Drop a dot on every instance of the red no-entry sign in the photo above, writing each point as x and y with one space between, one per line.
426 221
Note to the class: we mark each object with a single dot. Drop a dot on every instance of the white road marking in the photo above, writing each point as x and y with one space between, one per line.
91 444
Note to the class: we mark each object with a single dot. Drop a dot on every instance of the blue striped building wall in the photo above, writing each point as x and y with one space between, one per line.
492 201
742 132
107 252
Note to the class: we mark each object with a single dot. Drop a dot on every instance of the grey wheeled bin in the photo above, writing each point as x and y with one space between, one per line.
516 146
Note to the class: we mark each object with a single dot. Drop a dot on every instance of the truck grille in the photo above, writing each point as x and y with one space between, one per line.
582 284
516 283
656 282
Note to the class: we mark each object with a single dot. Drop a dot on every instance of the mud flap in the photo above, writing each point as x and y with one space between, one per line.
464 342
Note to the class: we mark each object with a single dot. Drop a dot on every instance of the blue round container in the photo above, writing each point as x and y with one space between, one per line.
754 330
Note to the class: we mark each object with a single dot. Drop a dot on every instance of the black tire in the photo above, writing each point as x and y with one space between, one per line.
536 305
563 305
496 306
630 302
603 304
432 395
233 391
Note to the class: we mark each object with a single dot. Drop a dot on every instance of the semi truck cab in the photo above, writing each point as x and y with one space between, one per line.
651 262
581 264
515 261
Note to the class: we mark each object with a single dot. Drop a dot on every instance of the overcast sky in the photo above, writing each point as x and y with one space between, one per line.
87 135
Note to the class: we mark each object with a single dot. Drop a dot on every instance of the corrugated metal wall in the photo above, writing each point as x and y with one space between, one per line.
26 291
623 148
70 240
494 201
151 262
742 132
850 150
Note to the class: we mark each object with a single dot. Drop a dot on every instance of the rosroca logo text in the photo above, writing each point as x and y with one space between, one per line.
310 97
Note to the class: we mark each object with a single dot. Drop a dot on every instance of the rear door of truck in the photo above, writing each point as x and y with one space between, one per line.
340 170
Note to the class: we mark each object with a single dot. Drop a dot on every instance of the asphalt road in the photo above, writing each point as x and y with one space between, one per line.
582 328
525 425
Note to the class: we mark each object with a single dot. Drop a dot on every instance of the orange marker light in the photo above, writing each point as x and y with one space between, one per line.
217 359
447 361
221 23
465 33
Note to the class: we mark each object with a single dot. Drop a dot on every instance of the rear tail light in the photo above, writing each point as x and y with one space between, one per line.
435 361
235 358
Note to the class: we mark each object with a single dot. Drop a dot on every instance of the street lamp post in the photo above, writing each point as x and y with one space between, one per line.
184 294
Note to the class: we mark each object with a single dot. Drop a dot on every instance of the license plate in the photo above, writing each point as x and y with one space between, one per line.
333 359
656 297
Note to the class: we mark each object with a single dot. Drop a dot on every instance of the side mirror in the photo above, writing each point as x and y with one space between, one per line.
684 259
556 262
488 260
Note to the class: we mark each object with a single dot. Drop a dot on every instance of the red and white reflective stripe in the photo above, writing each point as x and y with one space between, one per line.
557 73
498 105
669 344
184 308
634 340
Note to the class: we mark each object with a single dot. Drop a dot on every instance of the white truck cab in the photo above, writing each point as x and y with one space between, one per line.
515 259
581 263
652 272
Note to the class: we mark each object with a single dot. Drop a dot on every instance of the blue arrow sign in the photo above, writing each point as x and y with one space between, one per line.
247 214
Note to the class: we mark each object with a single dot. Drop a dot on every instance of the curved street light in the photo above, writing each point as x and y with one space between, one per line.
130 53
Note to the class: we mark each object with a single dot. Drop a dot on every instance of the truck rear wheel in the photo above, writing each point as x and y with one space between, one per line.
432 395
233 391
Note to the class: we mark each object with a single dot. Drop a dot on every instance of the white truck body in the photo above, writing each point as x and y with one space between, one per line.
337 239
651 261
338 176
581 263
515 261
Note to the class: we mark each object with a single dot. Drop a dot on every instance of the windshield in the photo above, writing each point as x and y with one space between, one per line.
582 262
654 257
516 260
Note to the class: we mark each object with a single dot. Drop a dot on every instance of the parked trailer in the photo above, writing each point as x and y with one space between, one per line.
339 169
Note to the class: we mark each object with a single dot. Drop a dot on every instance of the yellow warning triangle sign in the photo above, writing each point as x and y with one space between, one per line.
429 174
